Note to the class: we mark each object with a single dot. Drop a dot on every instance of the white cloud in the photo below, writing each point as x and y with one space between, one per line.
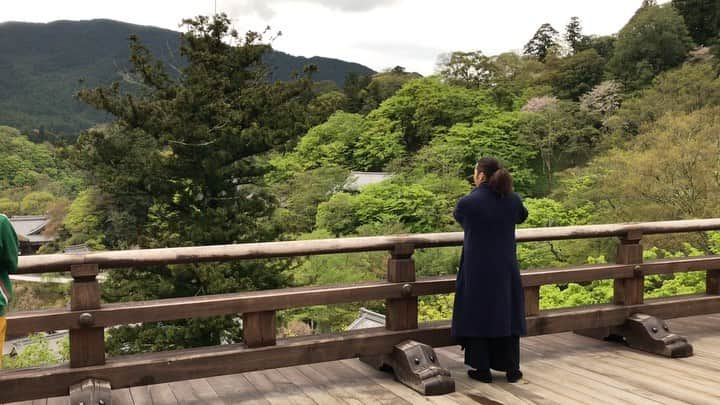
376 33
269 8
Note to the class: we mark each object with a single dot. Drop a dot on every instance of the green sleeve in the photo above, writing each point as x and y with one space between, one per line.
8 246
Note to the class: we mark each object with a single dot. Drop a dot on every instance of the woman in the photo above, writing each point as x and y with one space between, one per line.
489 312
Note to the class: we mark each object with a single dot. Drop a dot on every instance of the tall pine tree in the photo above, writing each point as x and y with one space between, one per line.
545 38
183 165
573 35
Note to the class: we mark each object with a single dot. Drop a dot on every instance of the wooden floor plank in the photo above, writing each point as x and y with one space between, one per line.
493 391
58 401
161 394
266 387
204 392
184 393
287 388
235 388
568 363
316 392
559 369
334 388
122 397
141 395
360 387
386 380
637 377
700 389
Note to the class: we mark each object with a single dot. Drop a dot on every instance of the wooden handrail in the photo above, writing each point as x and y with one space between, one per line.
87 318
197 254
272 300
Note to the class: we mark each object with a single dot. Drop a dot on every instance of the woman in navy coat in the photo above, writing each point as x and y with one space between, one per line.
489 311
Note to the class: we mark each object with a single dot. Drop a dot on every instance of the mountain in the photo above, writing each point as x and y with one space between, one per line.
43 65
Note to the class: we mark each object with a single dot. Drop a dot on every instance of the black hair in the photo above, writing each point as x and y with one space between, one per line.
498 178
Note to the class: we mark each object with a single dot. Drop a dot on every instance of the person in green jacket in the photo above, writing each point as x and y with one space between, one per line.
8 265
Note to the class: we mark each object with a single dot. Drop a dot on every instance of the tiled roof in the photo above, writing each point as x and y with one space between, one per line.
358 180
30 228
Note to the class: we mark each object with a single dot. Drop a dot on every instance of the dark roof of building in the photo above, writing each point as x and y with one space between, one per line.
367 319
30 228
358 180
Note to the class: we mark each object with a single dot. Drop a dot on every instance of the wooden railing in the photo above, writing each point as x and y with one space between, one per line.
87 317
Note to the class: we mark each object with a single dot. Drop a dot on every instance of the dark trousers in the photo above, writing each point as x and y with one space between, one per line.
500 353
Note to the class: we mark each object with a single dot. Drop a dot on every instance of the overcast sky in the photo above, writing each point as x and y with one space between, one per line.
377 33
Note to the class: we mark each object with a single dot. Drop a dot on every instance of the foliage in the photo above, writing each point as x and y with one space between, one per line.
382 86
331 143
654 41
537 104
577 74
455 154
32 177
560 133
182 166
603 45
384 203
424 108
469 69
603 100
299 197
702 18
37 353
687 89
670 168
542 43
574 36
36 203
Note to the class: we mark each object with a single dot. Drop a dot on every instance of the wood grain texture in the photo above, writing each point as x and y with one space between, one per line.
150 257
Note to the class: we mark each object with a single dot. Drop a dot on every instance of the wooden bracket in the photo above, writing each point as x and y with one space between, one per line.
91 391
646 333
416 365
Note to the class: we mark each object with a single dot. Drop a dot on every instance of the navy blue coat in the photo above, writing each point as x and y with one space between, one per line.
489 298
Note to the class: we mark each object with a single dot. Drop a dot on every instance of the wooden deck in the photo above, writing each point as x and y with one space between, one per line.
559 369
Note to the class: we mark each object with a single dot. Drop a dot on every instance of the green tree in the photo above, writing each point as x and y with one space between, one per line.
687 89
604 99
668 171
331 143
542 43
603 45
654 40
455 154
577 74
384 85
418 112
36 203
573 35
702 18
353 88
200 136
299 197
470 69
562 135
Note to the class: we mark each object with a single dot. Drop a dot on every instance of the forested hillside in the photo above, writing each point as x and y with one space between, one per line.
43 65
594 130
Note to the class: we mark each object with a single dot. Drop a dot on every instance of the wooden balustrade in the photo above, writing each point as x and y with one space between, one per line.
86 318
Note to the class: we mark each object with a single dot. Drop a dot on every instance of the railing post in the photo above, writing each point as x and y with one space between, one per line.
630 291
87 344
532 300
712 282
259 329
402 313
